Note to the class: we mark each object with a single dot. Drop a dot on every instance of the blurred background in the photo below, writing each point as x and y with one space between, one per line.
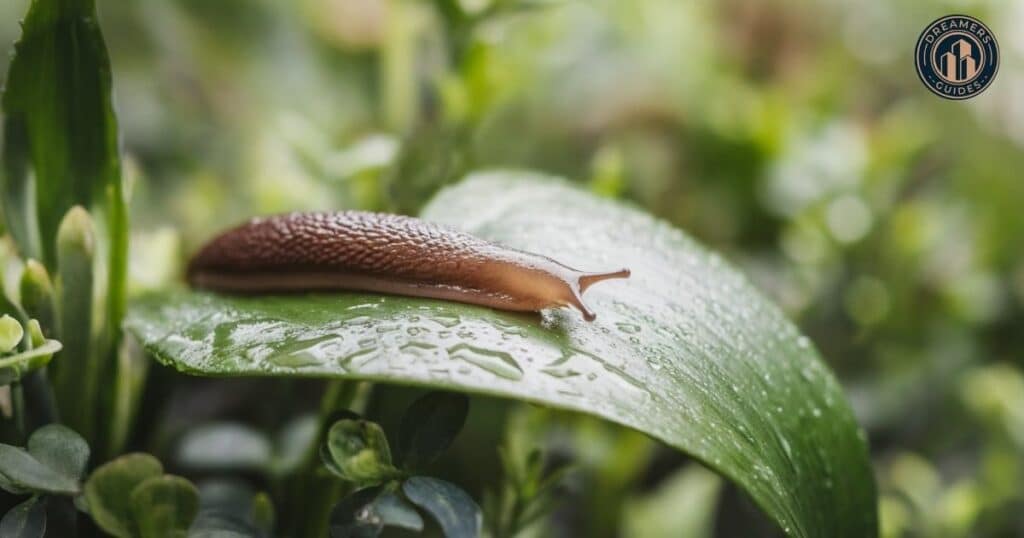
793 136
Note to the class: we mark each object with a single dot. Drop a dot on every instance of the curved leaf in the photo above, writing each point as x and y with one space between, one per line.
21 472
108 491
453 509
686 350
164 506
27 520
60 448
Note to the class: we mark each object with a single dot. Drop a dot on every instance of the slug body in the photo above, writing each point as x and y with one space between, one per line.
360 251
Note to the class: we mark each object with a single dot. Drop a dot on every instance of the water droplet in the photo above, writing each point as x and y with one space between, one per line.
498 363
560 373
445 320
628 328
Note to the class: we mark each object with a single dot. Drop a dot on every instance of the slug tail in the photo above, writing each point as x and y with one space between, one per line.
588 279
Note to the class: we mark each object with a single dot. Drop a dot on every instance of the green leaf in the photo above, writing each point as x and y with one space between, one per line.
60 135
108 492
359 452
351 519
11 332
60 150
21 472
430 425
164 506
367 511
61 449
27 520
686 350
453 509
394 511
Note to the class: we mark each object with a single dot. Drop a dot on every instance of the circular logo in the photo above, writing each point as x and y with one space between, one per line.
957 57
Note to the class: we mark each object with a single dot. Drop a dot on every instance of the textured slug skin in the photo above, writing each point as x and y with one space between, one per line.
359 251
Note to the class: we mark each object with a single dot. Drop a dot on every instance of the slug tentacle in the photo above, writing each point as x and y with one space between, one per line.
359 251
589 279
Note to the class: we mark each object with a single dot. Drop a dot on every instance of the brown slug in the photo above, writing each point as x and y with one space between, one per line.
360 251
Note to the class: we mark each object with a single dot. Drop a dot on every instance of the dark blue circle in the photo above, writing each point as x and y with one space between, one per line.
957 57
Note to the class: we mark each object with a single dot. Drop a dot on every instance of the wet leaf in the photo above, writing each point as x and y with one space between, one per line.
686 350
453 509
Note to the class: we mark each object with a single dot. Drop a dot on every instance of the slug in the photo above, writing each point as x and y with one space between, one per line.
360 251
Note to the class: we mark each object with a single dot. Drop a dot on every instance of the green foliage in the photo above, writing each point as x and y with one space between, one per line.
358 451
454 510
686 350
60 155
27 520
164 506
76 378
53 462
38 353
528 491
228 508
10 333
366 512
110 489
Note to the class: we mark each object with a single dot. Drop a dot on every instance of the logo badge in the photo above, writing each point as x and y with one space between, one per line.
957 57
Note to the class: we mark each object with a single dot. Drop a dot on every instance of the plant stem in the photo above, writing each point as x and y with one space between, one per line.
18 407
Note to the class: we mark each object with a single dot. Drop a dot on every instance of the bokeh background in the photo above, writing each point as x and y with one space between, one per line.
793 136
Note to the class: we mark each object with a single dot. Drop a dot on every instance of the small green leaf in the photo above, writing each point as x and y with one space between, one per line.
453 509
60 448
22 472
360 452
367 511
352 517
224 446
109 491
27 520
396 512
11 332
430 425
164 506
